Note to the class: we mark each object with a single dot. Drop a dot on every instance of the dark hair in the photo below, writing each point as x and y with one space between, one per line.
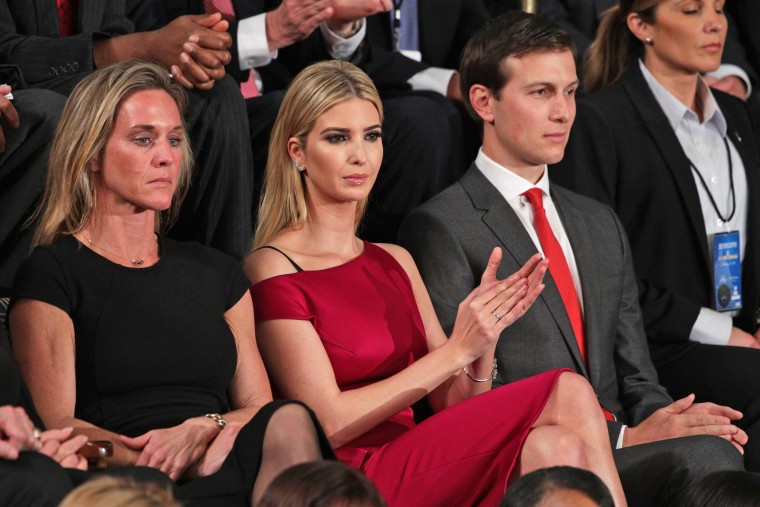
321 484
530 489
615 48
514 33
728 488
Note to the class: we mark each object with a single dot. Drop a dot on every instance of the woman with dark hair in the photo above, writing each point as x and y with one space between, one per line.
679 164
128 336
321 484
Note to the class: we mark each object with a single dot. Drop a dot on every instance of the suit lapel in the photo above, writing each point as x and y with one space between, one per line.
502 221
665 139
587 261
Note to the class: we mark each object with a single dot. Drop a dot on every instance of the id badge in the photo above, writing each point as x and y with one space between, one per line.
728 271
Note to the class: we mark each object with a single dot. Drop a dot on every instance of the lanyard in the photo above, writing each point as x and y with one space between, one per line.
397 23
731 179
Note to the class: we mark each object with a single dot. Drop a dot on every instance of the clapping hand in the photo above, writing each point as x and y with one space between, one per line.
348 11
495 304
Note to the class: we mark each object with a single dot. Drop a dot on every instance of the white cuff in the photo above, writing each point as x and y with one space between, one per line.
619 443
340 48
729 69
711 327
253 47
434 79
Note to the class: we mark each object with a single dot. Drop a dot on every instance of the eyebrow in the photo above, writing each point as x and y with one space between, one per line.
345 130
152 127
551 84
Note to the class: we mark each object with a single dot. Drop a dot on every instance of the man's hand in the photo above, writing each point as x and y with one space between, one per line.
739 338
294 20
346 12
8 114
732 85
195 48
683 418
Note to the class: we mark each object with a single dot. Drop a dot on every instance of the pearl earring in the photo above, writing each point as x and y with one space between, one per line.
648 41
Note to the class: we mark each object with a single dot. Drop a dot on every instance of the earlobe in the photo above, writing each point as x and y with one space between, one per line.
481 100
295 151
639 28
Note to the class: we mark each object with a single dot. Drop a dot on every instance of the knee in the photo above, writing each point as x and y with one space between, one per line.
291 427
576 394
705 454
556 446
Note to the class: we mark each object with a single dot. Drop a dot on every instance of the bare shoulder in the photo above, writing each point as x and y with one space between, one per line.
265 263
402 256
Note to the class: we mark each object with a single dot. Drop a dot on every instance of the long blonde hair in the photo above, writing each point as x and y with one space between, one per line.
615 48
88 117
314 90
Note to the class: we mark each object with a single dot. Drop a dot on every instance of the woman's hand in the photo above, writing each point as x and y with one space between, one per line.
16 432
217 452
62 447
173 450
495 304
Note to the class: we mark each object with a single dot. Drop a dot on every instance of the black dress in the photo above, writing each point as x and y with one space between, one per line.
152 346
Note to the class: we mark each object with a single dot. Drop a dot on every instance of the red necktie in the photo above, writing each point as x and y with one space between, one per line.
225 8
66 15
560 272
558 266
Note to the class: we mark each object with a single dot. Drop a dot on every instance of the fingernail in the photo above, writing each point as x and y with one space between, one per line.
188 47
194 38
184 57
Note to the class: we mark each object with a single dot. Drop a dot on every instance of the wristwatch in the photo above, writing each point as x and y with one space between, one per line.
218 419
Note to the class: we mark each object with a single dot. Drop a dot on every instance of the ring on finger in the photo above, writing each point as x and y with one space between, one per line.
497 315
37 433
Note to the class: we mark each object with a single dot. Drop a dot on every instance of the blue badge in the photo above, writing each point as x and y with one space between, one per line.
728 271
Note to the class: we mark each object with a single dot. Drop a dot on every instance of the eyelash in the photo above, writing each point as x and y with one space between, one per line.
339 138
145 141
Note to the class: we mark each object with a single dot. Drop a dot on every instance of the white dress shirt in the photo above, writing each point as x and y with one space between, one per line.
703 144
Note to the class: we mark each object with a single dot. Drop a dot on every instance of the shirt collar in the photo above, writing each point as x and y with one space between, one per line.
509 184
675 111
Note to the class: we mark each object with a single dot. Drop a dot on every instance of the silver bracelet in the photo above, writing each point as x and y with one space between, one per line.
491 377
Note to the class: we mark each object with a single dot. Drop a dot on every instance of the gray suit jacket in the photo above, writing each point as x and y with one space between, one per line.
451 237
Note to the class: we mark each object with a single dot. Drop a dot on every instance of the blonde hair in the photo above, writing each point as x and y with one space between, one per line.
108 491
88 117
615 48
314 90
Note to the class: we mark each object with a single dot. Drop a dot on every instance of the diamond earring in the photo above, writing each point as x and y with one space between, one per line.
300 167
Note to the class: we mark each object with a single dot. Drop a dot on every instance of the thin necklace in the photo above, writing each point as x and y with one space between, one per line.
136 262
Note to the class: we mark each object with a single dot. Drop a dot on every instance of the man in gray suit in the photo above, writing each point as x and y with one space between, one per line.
518 80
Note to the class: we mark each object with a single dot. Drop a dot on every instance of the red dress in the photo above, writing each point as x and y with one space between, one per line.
366 316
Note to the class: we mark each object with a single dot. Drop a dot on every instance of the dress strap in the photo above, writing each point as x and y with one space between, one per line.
298 268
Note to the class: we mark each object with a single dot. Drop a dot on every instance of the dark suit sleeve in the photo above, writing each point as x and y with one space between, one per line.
44 57
735 53
444 267
591 166
640 392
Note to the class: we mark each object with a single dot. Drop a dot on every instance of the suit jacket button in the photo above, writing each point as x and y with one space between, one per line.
61 70
75 66
52 72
